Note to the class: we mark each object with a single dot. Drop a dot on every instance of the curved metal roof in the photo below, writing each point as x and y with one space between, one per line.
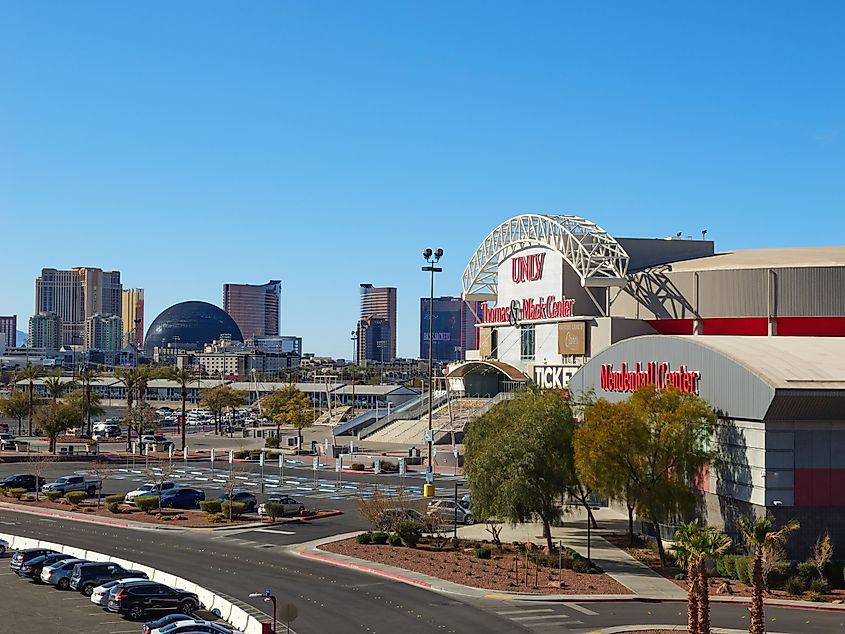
513 373
597 258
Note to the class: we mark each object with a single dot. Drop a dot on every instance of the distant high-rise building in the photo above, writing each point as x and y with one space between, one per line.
75 295
377 304
454 328
276 343
254 307
45 331
132 313
104 332
8 331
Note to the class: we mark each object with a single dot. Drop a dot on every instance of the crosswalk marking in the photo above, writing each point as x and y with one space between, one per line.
539 617
507 612
581 609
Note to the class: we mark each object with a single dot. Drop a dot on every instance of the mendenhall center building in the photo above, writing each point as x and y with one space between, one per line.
759 334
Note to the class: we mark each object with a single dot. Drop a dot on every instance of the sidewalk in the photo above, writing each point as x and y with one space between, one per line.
634 575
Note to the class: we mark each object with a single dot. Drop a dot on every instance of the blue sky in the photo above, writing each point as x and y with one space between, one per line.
195 143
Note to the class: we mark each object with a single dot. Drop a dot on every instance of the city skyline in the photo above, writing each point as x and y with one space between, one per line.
304 141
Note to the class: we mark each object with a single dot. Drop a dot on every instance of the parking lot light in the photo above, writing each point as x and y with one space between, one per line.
267 596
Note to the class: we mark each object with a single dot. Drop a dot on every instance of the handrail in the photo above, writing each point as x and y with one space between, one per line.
421 410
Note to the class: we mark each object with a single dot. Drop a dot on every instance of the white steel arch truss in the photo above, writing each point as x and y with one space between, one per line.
597 258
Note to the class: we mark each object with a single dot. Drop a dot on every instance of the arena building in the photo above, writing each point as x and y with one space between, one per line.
759 334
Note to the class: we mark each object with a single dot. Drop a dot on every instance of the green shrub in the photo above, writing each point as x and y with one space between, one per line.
729 565
819 585
118 499
241 454
394 540
380 537
274 510
806 570
53 496
410 531
358 466
834 571
580 565
813 596
389 467
743 571
778 575
232 509
75 497
272 442
16 493
681 576
214 518
147 503
364 538
794 585
483 552
113 507
211 506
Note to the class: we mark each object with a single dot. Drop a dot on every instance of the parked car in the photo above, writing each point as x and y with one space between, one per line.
8 441
245 497
192 626
32 568
444 510
70 483
100 594
155 439
389 517
136 600
27 554
164 411
106 432
4 546
149 626
88 576
182 498
289 504
58 574
22 481
148 489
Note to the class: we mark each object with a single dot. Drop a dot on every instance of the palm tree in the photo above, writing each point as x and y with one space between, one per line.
696 544
129 377
87 375
55 387
761 537
183 377
30 373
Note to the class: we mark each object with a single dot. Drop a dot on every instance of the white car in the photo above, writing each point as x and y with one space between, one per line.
445 510
290 505
100 594
8 441
147 489
193 626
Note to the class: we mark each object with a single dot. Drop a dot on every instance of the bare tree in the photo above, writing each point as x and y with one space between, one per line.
233 482
158 474
100 470
38 463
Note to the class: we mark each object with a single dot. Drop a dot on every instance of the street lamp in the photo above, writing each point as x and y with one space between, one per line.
356 358
431 257
267 596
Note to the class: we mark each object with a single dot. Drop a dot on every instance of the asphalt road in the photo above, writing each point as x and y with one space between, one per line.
331 599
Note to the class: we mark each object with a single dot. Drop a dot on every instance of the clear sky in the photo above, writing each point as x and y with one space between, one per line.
188 144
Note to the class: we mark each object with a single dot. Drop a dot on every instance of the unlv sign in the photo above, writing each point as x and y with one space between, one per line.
527 268
659 374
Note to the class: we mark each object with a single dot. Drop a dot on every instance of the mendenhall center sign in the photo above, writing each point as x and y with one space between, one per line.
657 373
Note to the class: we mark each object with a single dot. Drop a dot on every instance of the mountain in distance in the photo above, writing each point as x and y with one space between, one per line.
20 338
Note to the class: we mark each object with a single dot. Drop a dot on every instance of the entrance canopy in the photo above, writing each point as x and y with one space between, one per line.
488 367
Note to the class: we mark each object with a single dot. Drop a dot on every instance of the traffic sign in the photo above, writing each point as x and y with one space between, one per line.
316 462
337 465
401 466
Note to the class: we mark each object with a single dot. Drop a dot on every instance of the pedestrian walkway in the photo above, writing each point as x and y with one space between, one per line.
631 573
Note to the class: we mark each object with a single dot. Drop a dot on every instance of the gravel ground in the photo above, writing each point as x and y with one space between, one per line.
497 573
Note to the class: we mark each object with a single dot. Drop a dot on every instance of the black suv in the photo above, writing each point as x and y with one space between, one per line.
22 481
28 554
88 576
139 599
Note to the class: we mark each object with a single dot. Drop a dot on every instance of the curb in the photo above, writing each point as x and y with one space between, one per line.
396 574
625 629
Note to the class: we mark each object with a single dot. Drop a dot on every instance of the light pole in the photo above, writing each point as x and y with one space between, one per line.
356 357
267 596
431 258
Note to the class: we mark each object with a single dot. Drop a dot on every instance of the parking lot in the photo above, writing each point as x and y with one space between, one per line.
41 609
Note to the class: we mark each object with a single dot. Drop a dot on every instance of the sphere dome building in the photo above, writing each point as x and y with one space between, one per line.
190 325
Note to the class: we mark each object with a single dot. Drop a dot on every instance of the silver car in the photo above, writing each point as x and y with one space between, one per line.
289 504
59 573
445 511
147 489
